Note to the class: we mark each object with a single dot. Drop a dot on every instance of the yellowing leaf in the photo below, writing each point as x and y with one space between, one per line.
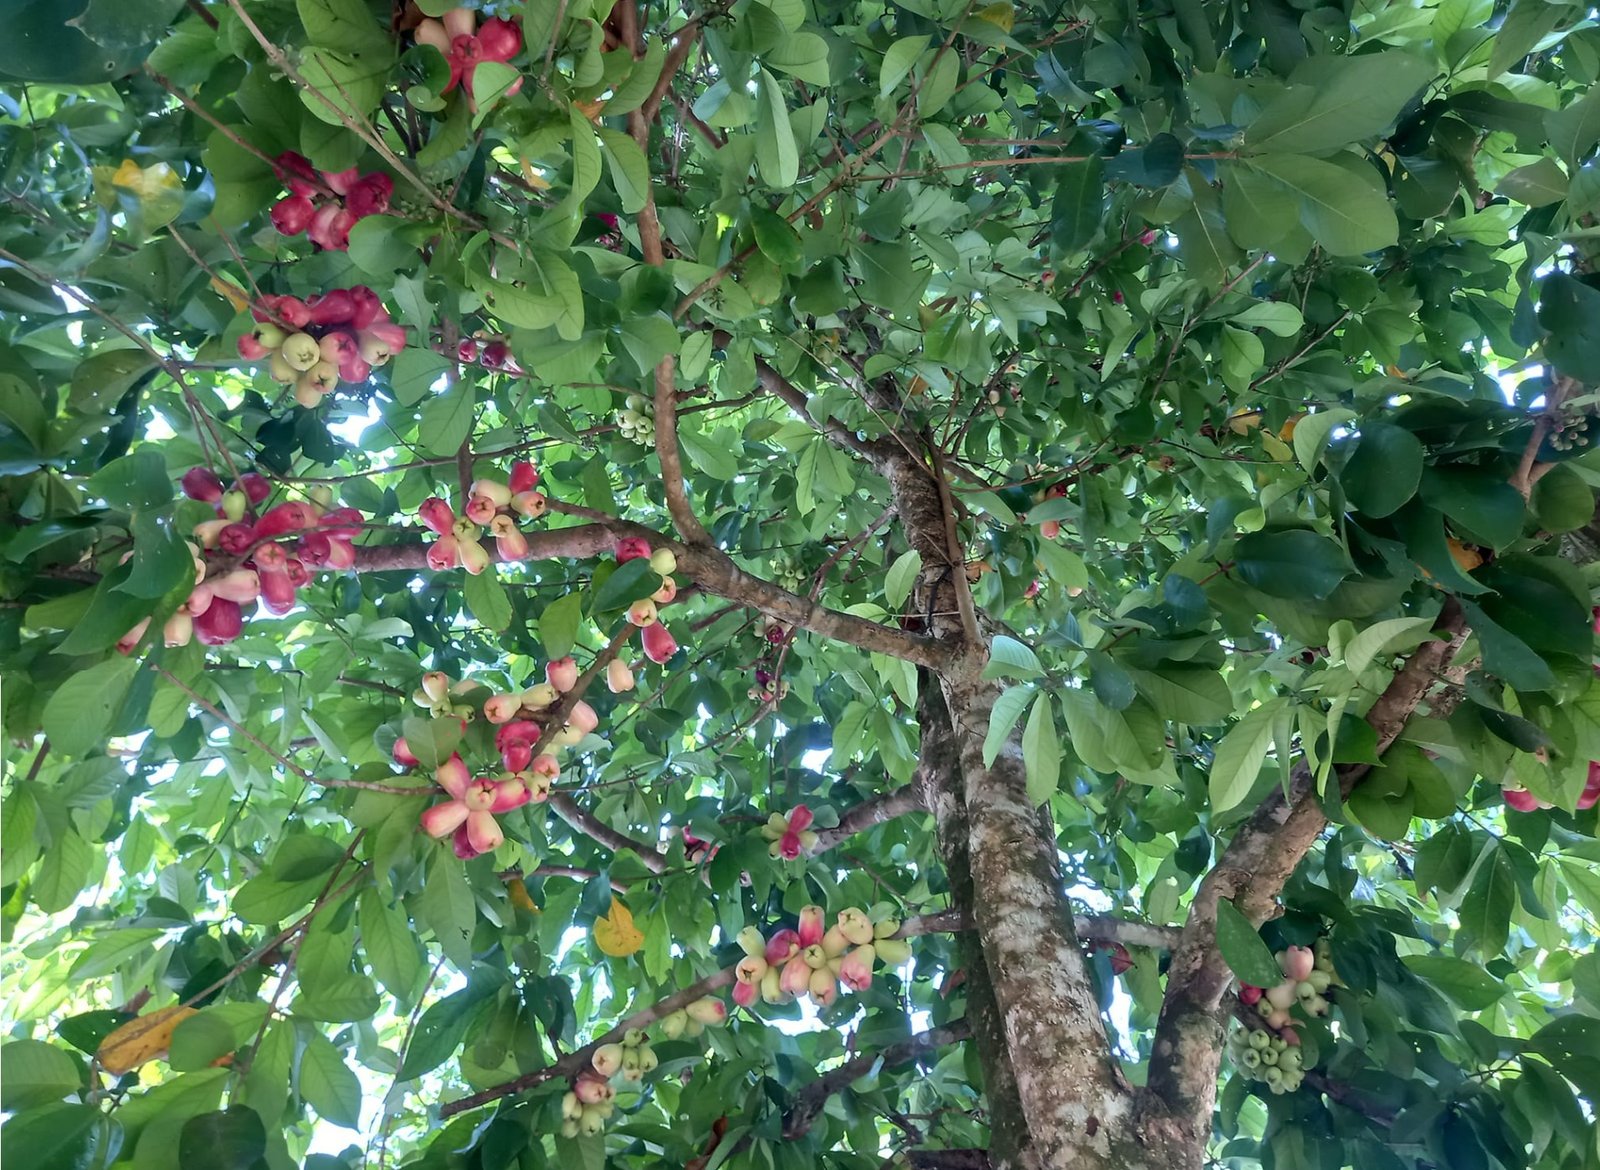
145 183
532 177
519 897
230 292
140 1041
999 15
615 934
1244 421
590 110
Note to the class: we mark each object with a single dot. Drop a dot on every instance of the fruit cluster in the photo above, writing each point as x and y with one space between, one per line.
1307 975
469 813
325 205
659 644
261 563
464 43
789 837
491 352
636 420
588 1105
1258 1055
493 504
814 961
315 343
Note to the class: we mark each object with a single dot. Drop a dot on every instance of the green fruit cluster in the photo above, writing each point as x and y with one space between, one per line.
1258 1055
636 420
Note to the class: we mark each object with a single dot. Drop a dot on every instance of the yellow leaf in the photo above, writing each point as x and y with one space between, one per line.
232 293
1286 431
615 934
1000 15
532 177
519 897
146 184
140 1041
1242 422
590 110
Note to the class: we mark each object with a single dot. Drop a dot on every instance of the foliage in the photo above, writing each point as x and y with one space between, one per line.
1250 348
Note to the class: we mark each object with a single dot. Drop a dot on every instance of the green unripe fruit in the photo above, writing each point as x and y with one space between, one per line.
569 1127
1289 1060
1259 1040
234 505
1277 1044
1320 980
1273 1076
1250 1058
1269 1057
632 1038
1304 991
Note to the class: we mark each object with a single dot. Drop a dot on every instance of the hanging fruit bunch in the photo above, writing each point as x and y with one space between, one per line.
790 837
814 960
315 343
465 43
589 1104
325 205
493 504
1271 1053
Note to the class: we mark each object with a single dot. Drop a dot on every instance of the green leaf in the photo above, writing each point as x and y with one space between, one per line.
1563 501
1041 751
1311 434
431 740
1574 130
136 481
1569 311
777 156
265 900
63 872
446 907
1466 983
1486 910
36 1073
1238 758
447 419
902 575
415 373
1526 24
112 950
346 25
486 597
438 1034
938 84
803 55
326 1082
1242 949
1276 317
1384 470
229 1139
1336 100
632 580
1293 563
1008 708
898 62
1386 638
1506 655
630 173
61 1137
218 1030
1079 205
1196 695
379 246
339 999
558 624
630 94
1009 658
79 715
1345 212
391 948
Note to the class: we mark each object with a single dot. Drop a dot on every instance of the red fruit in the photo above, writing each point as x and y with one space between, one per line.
254 485
292 214
631 548
277 590
437 515
297 172
495 354
658 643
355 370
1250 995
220 623
342 522
1121 960
499 40
315 548
392 335
1147 237
294 312
266 309
403 755
201 483
336 307
330 228
299 575
524 477
1520 799
250 347
370 196
292 516
467 351
340 182
368 308
235 538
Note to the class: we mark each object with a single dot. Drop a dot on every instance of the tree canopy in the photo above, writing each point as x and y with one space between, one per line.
792 583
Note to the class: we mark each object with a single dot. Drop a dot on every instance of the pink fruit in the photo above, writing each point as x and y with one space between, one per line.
201 483
403 755
367 307
562 673
524 477
292 214
1298 963
335 307
632 547
291 516
254 485
467 350
1520 799
659 644
370 196
499 40
437 515
340 182
1250 995
235 538
811 928
221 622
293 312
250 347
